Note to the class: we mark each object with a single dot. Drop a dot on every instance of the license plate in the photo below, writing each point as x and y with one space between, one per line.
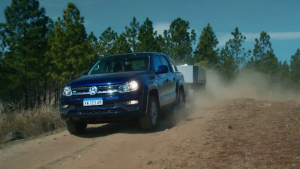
92 102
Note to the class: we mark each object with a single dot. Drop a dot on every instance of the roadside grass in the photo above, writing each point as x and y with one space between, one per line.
30 122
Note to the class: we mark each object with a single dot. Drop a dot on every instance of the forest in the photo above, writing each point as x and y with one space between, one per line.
39 55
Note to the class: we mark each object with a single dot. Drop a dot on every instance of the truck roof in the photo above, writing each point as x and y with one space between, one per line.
139 53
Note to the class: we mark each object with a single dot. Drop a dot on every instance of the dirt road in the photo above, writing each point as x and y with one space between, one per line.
241 133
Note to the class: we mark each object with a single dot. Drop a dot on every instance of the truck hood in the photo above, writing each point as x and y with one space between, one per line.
112 78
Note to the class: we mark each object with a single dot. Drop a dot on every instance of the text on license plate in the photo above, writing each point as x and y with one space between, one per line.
92 102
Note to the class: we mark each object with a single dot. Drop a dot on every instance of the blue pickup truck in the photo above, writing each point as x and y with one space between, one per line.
135 86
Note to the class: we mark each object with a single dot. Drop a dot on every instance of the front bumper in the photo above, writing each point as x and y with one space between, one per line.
114 108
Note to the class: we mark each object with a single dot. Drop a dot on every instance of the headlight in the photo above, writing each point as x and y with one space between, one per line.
67 91
129 86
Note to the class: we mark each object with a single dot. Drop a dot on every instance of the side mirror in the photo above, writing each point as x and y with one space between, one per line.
162 69
84 73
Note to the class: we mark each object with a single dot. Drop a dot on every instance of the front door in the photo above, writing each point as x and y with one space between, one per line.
171 93
162 82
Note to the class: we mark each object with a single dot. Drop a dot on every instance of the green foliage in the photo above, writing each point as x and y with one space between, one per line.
205 50
181 41
122 45
235 48
38 56
94 49
132 33
227 68
147 41
68 47
265 60
295 67
25 35
284 71
233 56
107 41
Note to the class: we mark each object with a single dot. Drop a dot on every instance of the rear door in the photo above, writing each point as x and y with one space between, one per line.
161 80
171 81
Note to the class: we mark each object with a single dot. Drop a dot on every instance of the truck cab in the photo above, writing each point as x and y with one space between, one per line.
134 86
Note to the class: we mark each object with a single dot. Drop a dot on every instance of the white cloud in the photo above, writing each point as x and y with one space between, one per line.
251 36
87 22
160 27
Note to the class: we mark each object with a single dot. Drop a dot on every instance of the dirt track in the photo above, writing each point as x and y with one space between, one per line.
242 133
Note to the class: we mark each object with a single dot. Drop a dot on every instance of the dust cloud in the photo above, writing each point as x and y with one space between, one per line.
248 84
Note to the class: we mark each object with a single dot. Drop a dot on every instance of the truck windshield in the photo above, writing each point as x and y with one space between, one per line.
122 63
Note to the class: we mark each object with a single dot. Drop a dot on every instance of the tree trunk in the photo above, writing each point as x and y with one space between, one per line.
25 84
49 95
45 89
38 93
25 88
56 91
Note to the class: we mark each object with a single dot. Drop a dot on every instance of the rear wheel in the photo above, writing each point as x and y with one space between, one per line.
180 104
150 120
76 127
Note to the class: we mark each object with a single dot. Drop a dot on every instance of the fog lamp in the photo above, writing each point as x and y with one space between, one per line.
65 106
133 102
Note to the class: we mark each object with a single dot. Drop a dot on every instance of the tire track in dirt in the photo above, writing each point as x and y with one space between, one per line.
104 146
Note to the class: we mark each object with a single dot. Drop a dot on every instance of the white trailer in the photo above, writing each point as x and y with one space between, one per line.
194 77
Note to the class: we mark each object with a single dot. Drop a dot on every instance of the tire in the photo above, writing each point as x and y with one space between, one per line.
149 122
76 127
180 104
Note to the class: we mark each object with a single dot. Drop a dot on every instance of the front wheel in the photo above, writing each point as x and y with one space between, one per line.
75 127
150 120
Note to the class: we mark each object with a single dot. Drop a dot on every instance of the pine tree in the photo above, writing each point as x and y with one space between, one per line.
132 34
25 36
2 37
161 43
284 71
164 43
68 46
227 63
94 48
265 60
295 67
166 48
235 46
147 41
107 41
205 51
181 41
122 45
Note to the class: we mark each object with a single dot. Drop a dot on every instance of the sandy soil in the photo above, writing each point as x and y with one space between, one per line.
225 129
238 133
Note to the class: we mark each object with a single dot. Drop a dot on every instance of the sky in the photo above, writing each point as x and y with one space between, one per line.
279 18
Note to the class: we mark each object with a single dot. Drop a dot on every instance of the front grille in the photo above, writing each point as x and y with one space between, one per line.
101 89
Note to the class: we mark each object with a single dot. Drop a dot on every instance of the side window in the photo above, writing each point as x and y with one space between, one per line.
165 62
174 67
156 62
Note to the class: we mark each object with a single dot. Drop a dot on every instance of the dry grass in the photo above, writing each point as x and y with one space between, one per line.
30 122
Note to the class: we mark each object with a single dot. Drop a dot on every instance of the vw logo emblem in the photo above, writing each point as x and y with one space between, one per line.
93 90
